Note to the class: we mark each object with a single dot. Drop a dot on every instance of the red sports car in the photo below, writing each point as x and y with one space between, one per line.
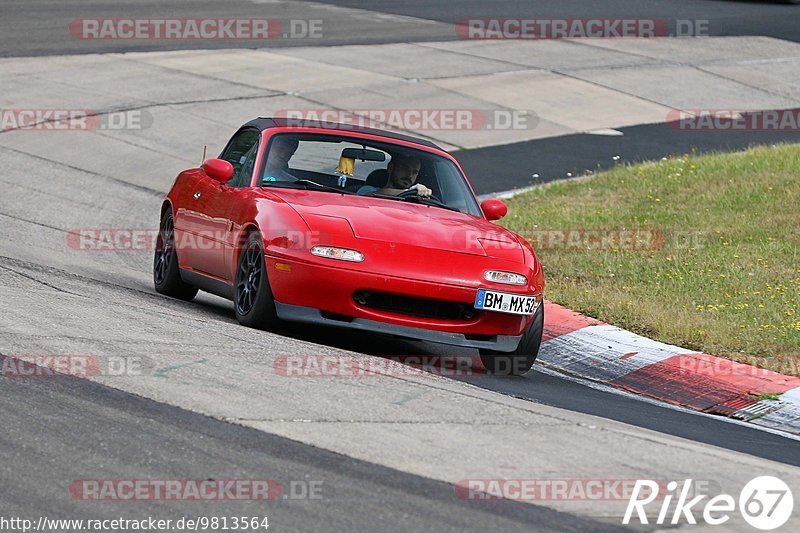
354 228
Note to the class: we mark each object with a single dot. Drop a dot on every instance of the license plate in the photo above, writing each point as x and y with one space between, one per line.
502 302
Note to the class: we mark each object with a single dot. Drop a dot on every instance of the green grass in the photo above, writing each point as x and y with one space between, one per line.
726 278
759 397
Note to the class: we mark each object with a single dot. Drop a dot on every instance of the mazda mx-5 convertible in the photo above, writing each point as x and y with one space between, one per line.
354 228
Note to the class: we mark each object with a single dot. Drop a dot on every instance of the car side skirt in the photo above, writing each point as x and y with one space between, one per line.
207 283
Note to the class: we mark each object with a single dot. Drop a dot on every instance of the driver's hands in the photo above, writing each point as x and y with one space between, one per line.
421 190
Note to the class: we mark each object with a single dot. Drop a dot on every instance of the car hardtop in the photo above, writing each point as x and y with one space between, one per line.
265 123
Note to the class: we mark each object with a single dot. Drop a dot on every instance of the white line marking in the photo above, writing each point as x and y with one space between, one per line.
606 131
505 195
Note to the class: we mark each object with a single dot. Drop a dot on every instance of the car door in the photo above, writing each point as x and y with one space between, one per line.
210 202
238 195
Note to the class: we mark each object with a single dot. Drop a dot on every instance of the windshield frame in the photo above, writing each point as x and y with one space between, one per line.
269 135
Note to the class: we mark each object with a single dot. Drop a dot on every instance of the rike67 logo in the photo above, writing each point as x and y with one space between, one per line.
766 503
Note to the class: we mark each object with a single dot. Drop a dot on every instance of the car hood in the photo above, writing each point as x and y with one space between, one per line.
397 222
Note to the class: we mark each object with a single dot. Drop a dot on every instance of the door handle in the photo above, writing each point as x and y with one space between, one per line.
197 195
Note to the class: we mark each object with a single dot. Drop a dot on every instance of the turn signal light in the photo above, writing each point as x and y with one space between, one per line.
509 278
342 254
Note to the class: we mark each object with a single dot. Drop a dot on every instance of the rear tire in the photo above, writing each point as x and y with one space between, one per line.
253 300
166 271
521 360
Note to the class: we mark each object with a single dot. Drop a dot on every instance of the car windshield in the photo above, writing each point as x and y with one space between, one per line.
338 164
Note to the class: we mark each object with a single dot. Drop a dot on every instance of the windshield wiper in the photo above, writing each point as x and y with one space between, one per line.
429 201
417 199
304 184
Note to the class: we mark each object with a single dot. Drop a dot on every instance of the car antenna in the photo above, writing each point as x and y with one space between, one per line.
205 147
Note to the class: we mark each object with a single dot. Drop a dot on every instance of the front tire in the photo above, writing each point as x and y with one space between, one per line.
253 300
521 360
166 271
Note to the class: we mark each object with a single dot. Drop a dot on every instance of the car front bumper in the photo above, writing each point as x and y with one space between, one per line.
330 286
297 313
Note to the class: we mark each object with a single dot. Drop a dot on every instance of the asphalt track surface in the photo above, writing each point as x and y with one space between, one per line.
726 17
57 430
91 425
40 27
512 166
558 392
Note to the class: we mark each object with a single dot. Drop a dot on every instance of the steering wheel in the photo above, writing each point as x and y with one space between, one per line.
408 194
414 194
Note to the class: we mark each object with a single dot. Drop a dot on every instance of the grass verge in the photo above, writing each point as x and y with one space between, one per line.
701 251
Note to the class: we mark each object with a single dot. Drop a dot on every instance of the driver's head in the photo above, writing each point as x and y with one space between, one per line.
281 151
403 171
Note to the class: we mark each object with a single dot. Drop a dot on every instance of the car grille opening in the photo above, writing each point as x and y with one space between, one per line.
485 338
416 307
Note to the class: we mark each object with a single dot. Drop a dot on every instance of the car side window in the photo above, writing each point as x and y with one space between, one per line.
240 151
242 176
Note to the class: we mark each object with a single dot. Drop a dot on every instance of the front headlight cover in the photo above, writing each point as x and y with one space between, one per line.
341 254
506 278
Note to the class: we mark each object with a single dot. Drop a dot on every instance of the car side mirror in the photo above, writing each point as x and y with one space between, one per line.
494 209
218 170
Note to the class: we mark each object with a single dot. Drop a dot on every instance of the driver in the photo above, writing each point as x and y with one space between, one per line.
281 151
403 173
